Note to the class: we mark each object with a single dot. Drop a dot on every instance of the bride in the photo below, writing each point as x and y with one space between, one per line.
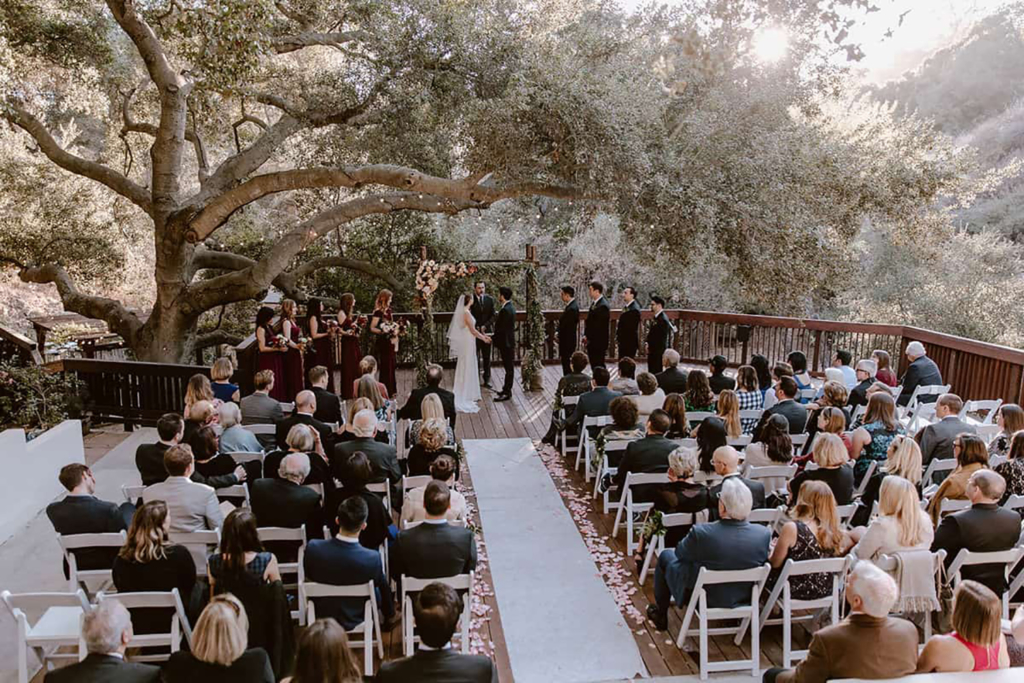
462 336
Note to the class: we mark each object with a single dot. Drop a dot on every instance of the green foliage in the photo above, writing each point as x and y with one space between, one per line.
32 397
533 362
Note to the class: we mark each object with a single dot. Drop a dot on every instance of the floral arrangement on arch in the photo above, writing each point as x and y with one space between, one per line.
430 274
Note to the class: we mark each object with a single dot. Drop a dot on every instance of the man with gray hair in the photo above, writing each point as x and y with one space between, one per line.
732 543
412 410
305 407
382 456
672 380
106 630
922 372
868 644
866 371
285 502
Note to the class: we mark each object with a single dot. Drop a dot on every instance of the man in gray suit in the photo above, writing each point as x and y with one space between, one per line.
382 456
191 506
258 408
937 439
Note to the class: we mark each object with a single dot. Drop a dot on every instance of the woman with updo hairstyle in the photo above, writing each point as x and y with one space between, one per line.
294 378
324 656
322 338
442 469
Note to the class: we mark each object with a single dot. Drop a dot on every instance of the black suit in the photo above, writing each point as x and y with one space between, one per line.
505 339
673 380
482 310
104 669
859 394
439 666
659 338
382 457
756 492
411 409
568 331
328 406
89 515
794 412
433 551
628 331
985 527
279 502
922 372
646 455
149 459
592 404
285 426
596 331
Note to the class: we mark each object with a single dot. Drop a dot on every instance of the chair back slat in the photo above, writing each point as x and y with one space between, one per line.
281 533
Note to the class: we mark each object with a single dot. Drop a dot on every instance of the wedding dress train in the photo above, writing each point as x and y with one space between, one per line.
462 346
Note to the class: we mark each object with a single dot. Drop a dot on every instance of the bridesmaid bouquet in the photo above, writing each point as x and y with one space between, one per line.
278 341
304 344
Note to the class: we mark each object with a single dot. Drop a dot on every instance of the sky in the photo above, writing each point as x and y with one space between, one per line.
928 25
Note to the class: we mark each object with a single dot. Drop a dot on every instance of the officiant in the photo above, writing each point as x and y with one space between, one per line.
482 309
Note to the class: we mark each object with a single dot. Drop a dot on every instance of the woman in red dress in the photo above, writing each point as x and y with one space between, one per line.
323 341
350 351
384 347
294 380
270 356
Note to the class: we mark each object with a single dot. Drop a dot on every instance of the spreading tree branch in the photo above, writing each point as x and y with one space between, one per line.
216 337
130 125
146 42
298 41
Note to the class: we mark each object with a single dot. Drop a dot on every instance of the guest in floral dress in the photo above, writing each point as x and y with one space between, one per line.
749 396
1010 419
1013 469
813 534
871 441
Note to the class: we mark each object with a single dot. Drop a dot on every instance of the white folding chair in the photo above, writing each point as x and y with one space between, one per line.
888 563
234 491
916 408
279 533
583 452
568 406
740 442
771 473
369 629
1014 502
614 446
262 429
937 465
199 544
707 478
767 516
241 458
410 483
752 414
80 578
147 600
698 604
132 493
863 485
988 432
411 585
58 624
895 391
858 412
696 417
798 440
806 395
845 513
287 408
988 407
782 596
966 558
631 507
950 505
657 544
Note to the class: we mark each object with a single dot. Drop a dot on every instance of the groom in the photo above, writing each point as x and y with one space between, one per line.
504 338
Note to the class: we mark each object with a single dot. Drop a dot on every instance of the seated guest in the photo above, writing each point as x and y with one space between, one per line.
780 370
977 642
593 403
436 612
682 493
81 512
1013 469
774 450
813 533
343 561
442 469
218 652
831 457
871 440
575 383
698 396
106 632
903 460
842 360
675 406
649 454
412 408
368 366
718 380
324 656
1010 419
328 405
198 389
305 406
148 561
827 420
434 549
937 438
710 437
985 527
433 442
241 557
625 426
382 456
223 390
209 461
367 387
355 475
728 408
748 395
731 543
192 506
885 375
866 371
651 396
901 524
922 372
798 362
303 439
431 409
235 438
672 380
867 644
764 373
285 502
971 456
726 461
202 414
260 407
787 406
149 457
625 383
352 408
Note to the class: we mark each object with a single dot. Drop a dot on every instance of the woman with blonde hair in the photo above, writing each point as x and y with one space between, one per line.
812 534
431 408
871 440
198 389
432 442
971 456
903 459
353 406
901 524
385 346
219 653
1010 418
728 408
220 373
324 656
833 468
977 642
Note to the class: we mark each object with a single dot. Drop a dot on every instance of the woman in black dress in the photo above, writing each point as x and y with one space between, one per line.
711 435
833 461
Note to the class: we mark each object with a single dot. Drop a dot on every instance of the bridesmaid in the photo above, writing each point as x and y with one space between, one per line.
384 347
323 340
350 351
294 381
270 356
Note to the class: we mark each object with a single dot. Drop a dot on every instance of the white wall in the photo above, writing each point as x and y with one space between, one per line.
30 472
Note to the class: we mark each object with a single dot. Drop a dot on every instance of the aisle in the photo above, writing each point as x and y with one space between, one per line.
559 620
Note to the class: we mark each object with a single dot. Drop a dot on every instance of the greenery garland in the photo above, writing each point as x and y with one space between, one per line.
533 361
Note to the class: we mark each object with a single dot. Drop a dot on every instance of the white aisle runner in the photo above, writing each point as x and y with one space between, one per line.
561 623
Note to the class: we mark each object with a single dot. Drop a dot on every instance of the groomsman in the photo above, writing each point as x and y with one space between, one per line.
505 339
628 331
568 328
659 337
595 330
482 310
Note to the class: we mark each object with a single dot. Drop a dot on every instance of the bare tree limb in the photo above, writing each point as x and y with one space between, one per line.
130 125
146 42
216 337
298 41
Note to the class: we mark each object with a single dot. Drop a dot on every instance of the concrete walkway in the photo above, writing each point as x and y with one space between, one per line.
559 619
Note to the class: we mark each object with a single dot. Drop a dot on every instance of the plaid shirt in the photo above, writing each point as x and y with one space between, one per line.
749 400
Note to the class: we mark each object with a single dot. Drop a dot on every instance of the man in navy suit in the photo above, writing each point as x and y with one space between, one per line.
504 340
732 543
434 549
595 327
341 561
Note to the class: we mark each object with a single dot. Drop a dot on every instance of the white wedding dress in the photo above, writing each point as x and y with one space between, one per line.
462 346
